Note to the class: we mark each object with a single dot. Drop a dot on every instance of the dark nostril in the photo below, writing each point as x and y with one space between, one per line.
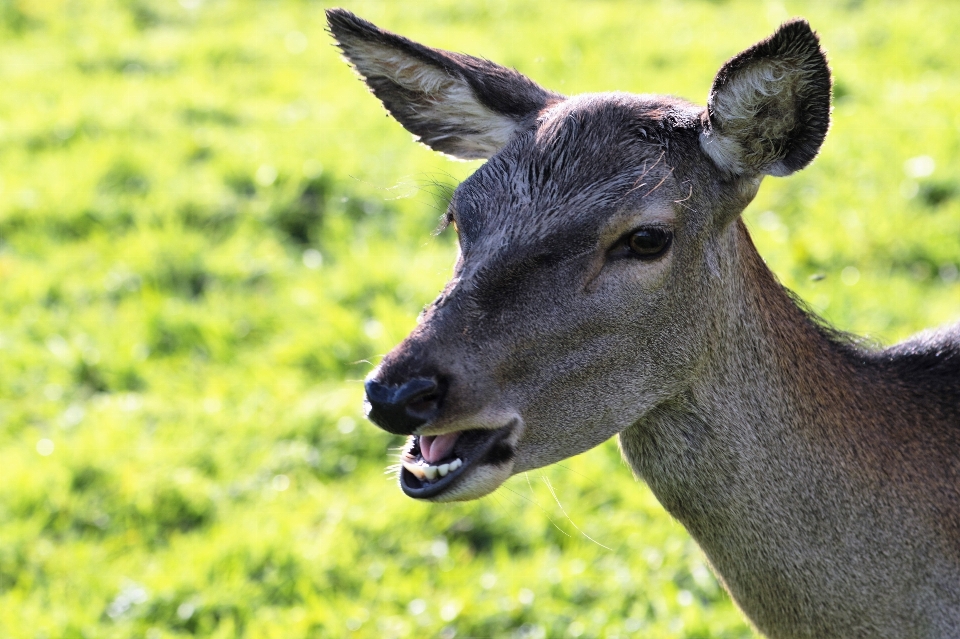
403 394
396 408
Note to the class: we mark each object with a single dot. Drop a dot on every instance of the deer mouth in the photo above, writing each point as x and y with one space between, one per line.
431 464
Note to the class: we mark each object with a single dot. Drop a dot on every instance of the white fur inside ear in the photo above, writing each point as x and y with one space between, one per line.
447 103
724 151
752 117
485 132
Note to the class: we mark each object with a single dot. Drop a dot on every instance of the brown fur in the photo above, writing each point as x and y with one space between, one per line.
821 479
810 467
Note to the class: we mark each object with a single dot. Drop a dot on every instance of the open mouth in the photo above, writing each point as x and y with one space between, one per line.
431 464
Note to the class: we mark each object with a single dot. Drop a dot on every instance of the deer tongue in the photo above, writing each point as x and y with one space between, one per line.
433 448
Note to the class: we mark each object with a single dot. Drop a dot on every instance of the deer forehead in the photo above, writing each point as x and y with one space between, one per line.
591 162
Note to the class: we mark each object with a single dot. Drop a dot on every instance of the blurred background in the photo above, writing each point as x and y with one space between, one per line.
209 230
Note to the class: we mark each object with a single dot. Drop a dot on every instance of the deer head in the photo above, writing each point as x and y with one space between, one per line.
594 245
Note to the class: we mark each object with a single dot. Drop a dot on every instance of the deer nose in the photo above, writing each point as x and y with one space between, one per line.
401 409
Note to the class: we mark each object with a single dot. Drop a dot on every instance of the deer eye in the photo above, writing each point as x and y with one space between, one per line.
648 243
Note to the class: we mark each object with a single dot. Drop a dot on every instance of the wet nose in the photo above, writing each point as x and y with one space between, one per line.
402 408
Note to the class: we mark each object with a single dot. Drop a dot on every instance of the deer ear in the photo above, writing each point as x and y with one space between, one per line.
769 107
456 104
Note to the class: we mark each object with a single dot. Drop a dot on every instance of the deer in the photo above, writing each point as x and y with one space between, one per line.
605 284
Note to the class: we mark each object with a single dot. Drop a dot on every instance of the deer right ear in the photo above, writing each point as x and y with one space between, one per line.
456 104
769 107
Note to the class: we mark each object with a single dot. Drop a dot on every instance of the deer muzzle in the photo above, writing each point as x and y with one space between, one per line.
402 408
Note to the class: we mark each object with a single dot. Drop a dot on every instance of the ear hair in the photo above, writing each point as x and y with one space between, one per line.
769 108
456 104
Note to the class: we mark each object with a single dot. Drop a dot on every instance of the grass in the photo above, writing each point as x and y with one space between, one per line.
208 229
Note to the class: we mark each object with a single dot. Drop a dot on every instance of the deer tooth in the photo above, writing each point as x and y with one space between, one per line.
416 469
427 471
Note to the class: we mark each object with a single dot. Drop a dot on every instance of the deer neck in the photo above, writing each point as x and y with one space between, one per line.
753 451
801 468
770 382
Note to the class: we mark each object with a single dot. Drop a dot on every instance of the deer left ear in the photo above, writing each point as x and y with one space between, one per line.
463 106
769 107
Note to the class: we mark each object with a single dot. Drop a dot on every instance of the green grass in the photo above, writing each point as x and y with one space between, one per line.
208 229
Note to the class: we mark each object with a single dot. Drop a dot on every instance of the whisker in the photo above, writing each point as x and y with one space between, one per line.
634 188
535 503
689 195
568 468
639 184
552 492
647 170
660 183
681 202
379 187
499 503
512 503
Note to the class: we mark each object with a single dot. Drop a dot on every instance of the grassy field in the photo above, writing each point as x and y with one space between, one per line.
208 230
